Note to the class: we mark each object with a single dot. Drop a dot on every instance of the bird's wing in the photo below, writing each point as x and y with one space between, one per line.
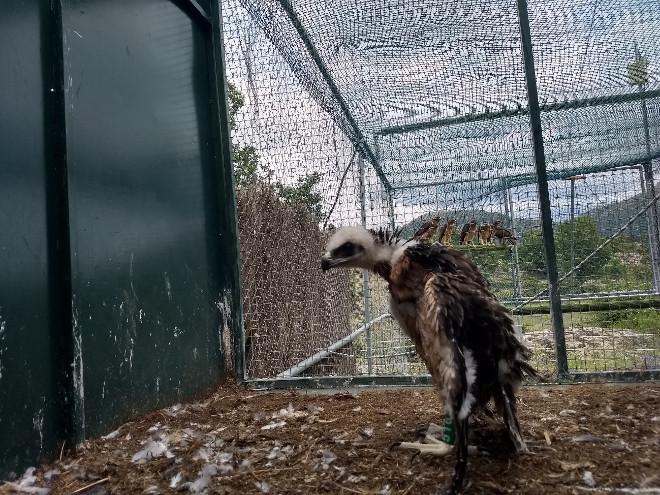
442 231
425 226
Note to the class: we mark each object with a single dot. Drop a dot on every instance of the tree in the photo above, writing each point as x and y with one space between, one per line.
303 193
247 170
586 240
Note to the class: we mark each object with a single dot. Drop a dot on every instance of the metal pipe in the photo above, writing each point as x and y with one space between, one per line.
359 142
514 112
365 273
312 360
544 195
647 166
593 296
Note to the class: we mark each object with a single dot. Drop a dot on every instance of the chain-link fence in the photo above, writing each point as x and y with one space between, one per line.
390 113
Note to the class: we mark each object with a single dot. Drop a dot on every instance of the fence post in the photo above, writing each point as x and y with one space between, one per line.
649 180
544 195
365 273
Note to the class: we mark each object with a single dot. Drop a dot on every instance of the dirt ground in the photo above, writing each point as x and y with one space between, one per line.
582 439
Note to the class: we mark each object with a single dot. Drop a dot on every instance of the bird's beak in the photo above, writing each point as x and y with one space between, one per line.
326 263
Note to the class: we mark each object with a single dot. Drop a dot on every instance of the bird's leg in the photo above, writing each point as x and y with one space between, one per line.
430 444
456 483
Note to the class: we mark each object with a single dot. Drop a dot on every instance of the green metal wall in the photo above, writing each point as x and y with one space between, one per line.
118 246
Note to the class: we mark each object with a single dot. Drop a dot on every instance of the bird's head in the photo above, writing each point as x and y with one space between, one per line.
357 247
497 223
451 221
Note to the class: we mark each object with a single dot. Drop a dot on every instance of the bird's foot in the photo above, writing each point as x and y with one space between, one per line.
430 445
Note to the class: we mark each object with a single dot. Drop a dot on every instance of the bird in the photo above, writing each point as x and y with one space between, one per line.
426 232
464 335
446 231
504 235
484 233
468 232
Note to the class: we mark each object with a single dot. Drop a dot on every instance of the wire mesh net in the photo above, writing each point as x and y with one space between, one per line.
390 113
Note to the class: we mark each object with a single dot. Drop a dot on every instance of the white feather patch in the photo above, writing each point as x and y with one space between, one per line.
400 248
470 376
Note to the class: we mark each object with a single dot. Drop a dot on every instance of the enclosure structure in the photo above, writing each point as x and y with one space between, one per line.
541 115
118 252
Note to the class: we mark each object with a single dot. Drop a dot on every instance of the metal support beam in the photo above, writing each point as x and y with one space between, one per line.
544 195
649 181
360 142
548 107
515 262
325 353
365 273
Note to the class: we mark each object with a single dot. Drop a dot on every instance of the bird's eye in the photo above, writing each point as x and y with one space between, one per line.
345 250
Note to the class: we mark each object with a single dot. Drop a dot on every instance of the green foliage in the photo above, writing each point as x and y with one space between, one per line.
236 101
586 240
303 193
247 170
246 165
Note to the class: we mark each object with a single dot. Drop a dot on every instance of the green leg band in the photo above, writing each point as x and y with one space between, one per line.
449 431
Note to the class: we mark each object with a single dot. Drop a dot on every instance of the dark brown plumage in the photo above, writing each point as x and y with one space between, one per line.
463 334
468 232
504 235
446 231
427 230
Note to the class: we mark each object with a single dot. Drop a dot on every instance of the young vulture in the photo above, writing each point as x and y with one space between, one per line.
446 231
468 232
504 235
427 230
484 233
460 330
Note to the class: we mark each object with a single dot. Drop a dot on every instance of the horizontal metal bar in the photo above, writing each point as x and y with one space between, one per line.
320 382
610 376
594 296
585 307
547 107
530 178
424 380
312 360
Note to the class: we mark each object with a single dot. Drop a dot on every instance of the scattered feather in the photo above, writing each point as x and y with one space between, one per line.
51 475
270 426
151 450
174 482
28 490
567 412
263 486
588 438
28 478
588 478
205 475
572 466
110 435
327 458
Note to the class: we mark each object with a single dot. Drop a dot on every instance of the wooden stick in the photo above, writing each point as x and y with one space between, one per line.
90 485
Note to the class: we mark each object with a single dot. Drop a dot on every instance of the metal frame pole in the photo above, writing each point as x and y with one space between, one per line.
365 273
544 195
515 262
647 166
649 230
573 234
